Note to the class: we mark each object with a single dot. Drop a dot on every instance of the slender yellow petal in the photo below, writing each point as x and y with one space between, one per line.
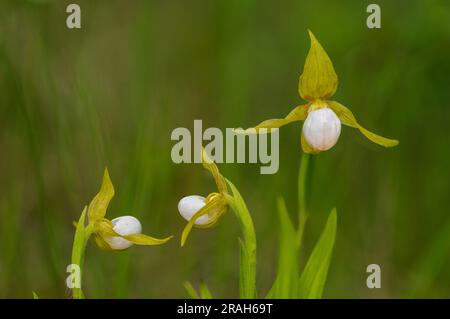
106 229
347 118
306 147
141 239
216 204
212 168
299 113
98 206
318 80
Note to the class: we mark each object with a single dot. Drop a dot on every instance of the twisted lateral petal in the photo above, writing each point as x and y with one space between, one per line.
347 118
299 113
318 80
215 208
212 168
99 204
118 241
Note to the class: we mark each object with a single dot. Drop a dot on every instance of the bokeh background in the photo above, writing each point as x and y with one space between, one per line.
75 101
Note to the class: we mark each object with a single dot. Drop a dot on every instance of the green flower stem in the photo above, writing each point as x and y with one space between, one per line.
81 238
302 181
247 281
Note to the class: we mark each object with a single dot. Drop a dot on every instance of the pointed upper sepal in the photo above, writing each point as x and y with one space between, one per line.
347 118
209 164
318 80
99 204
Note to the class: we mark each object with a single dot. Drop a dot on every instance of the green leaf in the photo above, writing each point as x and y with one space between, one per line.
35 296
205 293
285 285
247 280
346 116
79 245
192 293
312 280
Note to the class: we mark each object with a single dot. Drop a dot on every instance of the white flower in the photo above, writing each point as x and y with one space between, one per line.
189 205
322 128
124 225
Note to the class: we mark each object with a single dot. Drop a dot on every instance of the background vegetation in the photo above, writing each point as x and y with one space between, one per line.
75 101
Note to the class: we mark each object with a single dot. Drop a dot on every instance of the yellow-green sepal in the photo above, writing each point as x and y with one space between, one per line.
319 79
214 170
347 118
299 113
99 204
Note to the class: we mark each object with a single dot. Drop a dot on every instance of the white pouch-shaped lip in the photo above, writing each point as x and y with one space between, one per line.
322 128
124 225
190 205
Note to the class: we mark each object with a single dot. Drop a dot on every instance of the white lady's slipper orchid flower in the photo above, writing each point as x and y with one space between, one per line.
204 212
124 226
190 205
322 128
119 233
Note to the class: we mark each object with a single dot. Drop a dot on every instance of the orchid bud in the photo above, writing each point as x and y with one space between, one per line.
321 129
190 205
124 225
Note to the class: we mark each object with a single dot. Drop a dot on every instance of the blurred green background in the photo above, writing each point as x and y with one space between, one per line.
75 101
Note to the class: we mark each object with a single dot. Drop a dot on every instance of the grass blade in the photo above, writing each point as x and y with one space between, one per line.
314 275
192 293
205 293
285 285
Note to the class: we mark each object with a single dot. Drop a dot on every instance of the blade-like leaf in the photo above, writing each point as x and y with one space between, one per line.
247 280
312 280
286 283
205 293
79 245
35 296
192 293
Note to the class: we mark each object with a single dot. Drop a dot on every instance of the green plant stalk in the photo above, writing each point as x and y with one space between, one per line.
302 210
247 280
81 238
